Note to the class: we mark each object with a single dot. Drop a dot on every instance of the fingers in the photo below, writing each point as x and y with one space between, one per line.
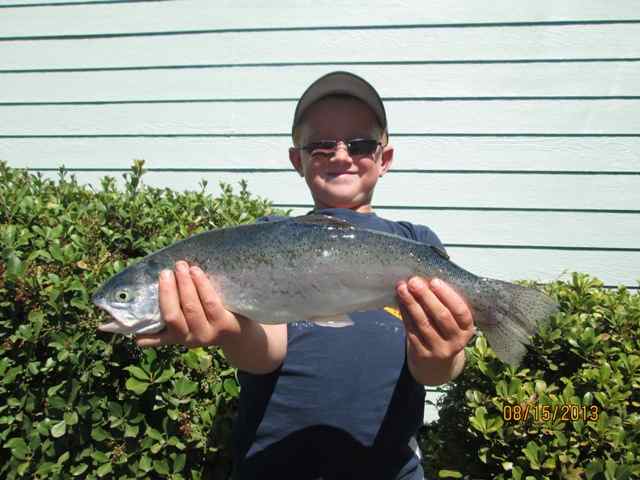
456 305
190 306
171 312
209 298
189 298
180 308
153 340
441 318
415 321
437 319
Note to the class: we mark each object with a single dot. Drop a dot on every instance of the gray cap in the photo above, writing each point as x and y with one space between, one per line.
340 83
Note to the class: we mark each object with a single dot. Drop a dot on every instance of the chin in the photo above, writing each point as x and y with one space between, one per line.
339 196
342 202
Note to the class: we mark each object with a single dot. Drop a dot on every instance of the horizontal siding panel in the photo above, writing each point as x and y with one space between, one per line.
548 229
432 153
566 116
573 41
33 3
613 268
516 264
439 80
190 15
430 410
10 4
433 190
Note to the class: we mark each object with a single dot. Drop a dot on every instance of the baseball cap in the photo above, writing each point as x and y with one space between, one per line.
341 83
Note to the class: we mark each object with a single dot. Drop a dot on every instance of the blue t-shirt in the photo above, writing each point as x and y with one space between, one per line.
343 404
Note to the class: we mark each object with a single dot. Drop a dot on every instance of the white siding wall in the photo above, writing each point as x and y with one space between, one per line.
516 123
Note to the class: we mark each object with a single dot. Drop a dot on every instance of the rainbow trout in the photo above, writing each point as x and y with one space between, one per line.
318 268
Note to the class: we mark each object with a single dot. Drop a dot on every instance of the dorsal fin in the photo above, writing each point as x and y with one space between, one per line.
440 252
318 219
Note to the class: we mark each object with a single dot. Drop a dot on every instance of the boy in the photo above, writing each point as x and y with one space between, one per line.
320 402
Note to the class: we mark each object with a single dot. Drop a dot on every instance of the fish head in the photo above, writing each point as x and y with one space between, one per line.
131 298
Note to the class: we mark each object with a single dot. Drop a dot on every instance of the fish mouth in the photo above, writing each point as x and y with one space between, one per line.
141 328
135 327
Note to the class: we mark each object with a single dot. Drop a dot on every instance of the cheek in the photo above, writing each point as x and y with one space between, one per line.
370 168
146 308
312 169
147 299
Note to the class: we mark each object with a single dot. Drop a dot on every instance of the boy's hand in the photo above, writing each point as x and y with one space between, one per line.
192 310
439 324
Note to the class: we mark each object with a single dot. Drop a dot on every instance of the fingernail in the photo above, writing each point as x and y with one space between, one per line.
166 274
415 283
195 270
182 267
436 283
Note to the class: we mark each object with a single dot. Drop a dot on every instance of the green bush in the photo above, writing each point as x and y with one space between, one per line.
75 402
572 409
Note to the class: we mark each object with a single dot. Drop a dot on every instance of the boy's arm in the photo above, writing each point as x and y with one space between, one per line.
439 325
195 317
257 348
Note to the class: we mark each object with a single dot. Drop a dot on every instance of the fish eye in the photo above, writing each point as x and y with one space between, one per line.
122 296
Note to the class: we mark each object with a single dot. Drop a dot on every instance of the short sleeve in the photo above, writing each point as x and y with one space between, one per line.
424 234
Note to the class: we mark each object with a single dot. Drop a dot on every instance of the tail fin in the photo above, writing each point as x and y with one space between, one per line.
508 314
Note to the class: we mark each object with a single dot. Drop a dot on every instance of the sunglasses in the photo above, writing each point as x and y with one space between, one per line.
356 146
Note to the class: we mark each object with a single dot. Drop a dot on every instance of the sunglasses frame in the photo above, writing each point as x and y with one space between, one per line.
313 146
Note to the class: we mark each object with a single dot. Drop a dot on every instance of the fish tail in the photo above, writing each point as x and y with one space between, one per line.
509 314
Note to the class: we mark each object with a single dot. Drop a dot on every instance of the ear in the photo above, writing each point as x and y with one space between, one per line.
295 157
387 160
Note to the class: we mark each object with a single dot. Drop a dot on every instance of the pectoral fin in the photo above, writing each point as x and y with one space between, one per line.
336 321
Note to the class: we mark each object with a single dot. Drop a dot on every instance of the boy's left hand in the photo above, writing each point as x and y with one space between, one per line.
439 324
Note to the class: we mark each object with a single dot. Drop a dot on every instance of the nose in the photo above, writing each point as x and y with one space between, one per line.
342 152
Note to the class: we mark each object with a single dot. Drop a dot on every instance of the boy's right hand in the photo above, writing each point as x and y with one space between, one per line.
192 310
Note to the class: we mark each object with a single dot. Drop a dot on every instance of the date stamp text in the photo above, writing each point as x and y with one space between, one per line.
550 413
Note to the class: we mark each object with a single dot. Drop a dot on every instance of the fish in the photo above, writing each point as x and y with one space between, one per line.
319 268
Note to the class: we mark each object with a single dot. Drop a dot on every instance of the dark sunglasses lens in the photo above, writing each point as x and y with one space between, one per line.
362 147
324 145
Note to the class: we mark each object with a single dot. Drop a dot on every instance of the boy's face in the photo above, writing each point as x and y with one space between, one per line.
338 179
